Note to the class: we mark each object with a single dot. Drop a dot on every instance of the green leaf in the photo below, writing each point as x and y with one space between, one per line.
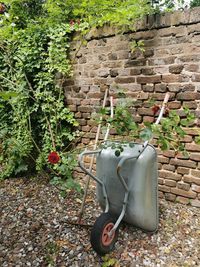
117 153
164 144
146 134
131 145
7 95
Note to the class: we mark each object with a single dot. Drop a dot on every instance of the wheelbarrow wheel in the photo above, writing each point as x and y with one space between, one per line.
101 242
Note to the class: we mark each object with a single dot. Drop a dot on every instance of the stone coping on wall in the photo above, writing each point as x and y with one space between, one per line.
150 22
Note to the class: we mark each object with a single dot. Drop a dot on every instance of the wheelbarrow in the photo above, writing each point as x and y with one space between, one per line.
127 189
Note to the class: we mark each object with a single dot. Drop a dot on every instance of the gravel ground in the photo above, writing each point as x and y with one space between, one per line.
35 231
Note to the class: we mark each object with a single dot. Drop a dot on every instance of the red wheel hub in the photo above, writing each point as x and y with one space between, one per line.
106 238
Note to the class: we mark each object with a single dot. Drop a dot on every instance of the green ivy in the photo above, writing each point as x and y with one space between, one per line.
168 134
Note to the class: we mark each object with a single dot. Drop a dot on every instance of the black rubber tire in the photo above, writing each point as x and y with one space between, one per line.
96 237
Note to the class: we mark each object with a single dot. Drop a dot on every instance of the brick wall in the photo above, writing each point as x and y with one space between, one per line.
170 63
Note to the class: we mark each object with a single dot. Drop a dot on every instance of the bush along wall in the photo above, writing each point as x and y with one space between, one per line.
36 126
167 61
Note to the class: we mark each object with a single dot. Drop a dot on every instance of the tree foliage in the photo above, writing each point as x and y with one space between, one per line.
195 3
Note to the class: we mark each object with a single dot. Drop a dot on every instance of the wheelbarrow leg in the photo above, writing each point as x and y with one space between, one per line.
121 216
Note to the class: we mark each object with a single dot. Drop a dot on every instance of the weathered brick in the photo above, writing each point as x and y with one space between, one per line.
184 186
148 119
143 96
183 163
191 179
195 173
114 72
148 71
170 175
161 52
85 88
196 77
176 69
86 115
162 61
189 58
174 105
160 194
188 96
125 79
136 71
169 153
191 67
192 147
195 203
160 96
195 156
85 141
181 155
195 188
78 115
170 183
122 54
149 52
160 88
170 197
190 104
82 60
159 166
148 88
104 73
85 102
87 109
73 108
86 128
82 122
192 131
174 87
132 63
163 188
182 170
160 181
112 64
145 111
112 56
149 79
168 167
174 78
162 159
180 192
183 200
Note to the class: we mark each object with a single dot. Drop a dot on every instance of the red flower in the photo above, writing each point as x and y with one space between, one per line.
53 157
166 114
71 23
2 8
155 109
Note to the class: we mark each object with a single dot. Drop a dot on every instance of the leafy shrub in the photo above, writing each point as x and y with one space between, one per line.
35 38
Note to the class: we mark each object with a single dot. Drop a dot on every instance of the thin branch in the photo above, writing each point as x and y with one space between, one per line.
51 133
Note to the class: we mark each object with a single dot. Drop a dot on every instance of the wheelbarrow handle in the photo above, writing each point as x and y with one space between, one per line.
119 167
82 166
124 159
89 172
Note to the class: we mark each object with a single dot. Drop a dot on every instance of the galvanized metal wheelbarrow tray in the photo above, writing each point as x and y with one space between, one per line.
127 189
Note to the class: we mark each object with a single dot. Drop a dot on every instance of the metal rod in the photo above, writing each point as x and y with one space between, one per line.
92 162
